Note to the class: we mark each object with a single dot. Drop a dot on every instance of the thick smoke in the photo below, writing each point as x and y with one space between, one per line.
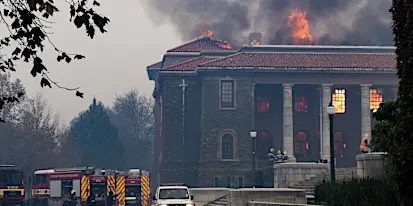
331 22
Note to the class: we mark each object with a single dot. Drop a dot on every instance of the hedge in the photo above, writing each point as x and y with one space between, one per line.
357 192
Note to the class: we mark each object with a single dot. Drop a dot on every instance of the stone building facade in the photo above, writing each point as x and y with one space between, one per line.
208 97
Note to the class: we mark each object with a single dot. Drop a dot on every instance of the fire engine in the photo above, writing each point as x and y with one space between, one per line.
133 188
53 186
11 185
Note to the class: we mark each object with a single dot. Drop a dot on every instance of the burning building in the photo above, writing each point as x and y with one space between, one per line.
208 96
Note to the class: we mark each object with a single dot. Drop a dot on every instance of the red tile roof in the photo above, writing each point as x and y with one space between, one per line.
306 60
200 44
189 65
155 65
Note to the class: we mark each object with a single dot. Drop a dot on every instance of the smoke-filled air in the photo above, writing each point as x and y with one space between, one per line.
319 22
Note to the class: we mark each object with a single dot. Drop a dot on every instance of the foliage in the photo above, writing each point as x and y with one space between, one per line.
132 114
96 137
27 22
357 192
30 140
383 131
10 112
402 158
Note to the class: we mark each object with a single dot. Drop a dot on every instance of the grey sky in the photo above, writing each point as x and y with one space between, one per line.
115 62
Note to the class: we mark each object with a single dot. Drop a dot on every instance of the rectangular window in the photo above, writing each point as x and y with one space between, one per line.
376 98
216 182
240 182
227 94
228 182
339 100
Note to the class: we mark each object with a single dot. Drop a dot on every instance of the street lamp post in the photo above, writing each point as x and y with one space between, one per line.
331 111
253 135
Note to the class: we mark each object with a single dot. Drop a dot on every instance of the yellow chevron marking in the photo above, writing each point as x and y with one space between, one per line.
111 185
145 191
85 186
120 190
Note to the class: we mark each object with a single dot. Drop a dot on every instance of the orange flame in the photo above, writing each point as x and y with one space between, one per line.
225 45
255 42
298 23
207 33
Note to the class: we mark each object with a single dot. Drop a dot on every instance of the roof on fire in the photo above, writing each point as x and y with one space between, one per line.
209 53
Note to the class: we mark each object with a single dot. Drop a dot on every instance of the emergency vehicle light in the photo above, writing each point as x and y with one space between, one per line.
7 166
173 184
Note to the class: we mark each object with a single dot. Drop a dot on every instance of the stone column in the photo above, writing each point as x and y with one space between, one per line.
326 88
365 110
395 92
288 129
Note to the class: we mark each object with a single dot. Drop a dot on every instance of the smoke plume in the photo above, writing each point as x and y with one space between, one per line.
331 22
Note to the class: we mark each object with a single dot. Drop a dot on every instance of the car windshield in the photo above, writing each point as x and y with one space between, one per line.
98 189
173 194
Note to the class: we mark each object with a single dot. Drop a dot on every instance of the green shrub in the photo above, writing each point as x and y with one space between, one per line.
357 192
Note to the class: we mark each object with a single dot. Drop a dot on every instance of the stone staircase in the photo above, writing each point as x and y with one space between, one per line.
222 201
308 185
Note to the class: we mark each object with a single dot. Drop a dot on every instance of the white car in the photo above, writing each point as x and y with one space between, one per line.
173 195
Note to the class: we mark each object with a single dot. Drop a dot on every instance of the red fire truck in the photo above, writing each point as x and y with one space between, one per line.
53 186
11 185
130 189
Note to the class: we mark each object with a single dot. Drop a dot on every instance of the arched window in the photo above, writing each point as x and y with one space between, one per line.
339 100
376 98
301 104
301 145
339 145
227 147
263 104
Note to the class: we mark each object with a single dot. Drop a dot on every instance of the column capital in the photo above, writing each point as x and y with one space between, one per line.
366 85
327 85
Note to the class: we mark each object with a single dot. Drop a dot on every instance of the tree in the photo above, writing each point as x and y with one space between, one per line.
31 142
27 22
96 137
402 158
133 116
10 112
383 131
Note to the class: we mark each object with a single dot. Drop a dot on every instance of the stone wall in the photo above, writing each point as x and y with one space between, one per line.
293 174
370 164
180 158
215 121
238 197
202 196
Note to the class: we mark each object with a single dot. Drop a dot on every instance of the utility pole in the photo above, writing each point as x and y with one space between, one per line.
183 86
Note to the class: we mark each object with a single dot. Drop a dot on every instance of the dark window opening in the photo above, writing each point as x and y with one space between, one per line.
262 104
227 94
216 182
339 145
301 104
227 147
67 186
301 145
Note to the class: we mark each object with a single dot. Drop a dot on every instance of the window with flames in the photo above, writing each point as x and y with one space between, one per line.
301 104
339 100
376 98
263 104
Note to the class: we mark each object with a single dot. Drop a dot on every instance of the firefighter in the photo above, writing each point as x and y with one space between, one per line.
73 198
90 198
271 155
279 157
109 198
